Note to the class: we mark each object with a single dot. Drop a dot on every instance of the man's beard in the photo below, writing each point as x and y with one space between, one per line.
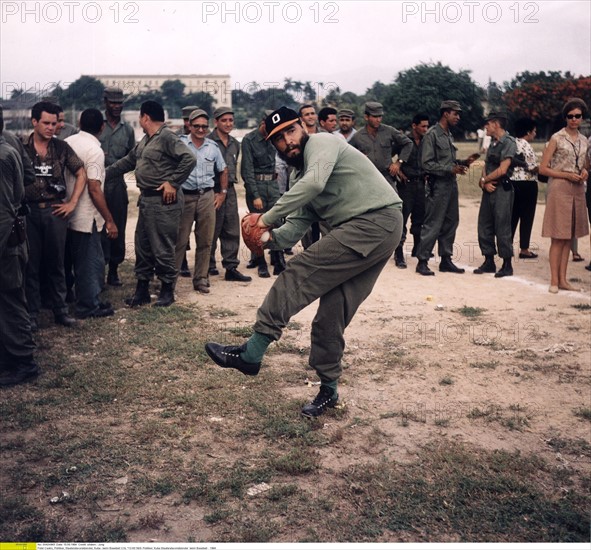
298 160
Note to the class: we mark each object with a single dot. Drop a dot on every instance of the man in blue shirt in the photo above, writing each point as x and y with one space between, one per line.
200 200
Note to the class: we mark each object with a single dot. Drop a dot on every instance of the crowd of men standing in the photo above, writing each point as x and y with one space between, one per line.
64 204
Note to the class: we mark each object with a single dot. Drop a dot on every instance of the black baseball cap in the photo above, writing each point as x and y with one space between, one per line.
279 119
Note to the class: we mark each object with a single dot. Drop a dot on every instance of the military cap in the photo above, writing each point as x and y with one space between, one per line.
279 119
220 111
196 113
186 111
346 113
113 94
495 116
451 104
373 108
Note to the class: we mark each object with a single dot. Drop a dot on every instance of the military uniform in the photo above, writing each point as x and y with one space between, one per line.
16 342
442 213
494 216
156 159
260 178
116 142
412 193
227 222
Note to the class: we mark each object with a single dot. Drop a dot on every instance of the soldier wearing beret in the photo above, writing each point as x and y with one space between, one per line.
380 143
117 140
442 209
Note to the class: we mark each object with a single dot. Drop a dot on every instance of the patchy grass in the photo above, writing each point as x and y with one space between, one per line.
582 307
583 412
470 312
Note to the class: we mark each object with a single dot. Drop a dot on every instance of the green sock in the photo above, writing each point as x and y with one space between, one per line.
256 347
332 385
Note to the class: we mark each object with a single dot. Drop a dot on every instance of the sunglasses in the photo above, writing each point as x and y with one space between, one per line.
200 126
570 117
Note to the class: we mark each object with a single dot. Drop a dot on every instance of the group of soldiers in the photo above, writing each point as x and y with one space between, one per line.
71 187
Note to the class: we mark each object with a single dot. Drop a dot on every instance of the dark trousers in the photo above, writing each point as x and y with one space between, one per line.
117 201
494 220
412 194
46 235
227 230
16 341
524 210
340 269
155 238
86 255
442 217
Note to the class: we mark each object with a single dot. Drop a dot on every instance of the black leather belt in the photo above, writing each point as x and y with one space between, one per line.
197 191
151 193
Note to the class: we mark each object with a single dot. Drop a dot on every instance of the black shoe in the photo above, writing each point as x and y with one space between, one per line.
19 374
528 256
487 267
252 264
113 277
65 320
423 268
588 267
235 275
202 287
399 258
228 357
166 297
263 271
213 271
278 261
447 266
100 312
506 270
326 399
141 295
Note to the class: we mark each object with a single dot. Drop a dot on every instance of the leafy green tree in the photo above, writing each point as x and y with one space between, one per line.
84 93
422 89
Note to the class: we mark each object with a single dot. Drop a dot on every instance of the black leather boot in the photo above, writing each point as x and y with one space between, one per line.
141 295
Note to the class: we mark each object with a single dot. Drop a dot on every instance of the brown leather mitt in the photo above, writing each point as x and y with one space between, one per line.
254 237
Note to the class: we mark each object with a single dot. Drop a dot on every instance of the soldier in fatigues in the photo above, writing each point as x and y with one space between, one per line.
162 163
496 205
380 143
442 209
16 341
262 190
117 140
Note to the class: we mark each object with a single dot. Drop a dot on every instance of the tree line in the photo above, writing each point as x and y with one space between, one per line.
538 95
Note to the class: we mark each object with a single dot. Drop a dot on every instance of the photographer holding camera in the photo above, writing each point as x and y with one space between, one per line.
47 222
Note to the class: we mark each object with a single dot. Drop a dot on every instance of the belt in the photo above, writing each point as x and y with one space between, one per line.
265 177
44 204
151 193
197 191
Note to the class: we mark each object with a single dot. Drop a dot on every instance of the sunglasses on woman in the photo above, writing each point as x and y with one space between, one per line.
570 117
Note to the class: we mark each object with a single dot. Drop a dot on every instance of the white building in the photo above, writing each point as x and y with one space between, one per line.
217 85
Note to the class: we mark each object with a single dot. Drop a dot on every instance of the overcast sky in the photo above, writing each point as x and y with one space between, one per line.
349 44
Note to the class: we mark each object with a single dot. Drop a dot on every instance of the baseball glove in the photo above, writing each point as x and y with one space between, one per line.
254 237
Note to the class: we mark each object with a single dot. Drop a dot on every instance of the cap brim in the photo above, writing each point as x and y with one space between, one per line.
282 126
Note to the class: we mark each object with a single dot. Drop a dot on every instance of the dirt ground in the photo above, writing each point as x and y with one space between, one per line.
526 357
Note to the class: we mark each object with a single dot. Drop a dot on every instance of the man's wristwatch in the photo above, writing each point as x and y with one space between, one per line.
224 191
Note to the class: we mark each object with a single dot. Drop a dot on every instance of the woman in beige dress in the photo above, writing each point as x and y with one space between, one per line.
564 162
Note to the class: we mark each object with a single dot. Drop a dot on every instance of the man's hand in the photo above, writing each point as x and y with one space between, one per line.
394 169
258 204
112 231
64 209
168 193
459 169
489 187
218 200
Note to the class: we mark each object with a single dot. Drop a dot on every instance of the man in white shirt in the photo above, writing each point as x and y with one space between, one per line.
83 244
